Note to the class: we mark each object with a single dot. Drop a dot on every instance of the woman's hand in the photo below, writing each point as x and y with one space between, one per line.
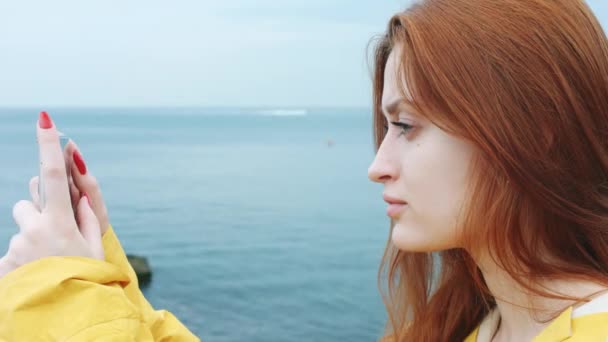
52 231
80 182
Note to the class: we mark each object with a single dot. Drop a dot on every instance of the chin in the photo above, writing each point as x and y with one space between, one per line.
410 238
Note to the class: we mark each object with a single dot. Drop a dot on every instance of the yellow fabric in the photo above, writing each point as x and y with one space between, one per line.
588 328
76 299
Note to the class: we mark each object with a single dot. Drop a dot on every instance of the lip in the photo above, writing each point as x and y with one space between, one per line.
394 210
393 200
395 206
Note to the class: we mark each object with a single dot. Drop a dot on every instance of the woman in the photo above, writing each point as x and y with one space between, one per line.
491 125
497 139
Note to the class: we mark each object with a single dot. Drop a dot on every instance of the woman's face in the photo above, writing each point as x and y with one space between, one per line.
424 172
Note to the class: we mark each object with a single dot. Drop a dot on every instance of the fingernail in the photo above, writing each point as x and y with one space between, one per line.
45 121
88 199
80 165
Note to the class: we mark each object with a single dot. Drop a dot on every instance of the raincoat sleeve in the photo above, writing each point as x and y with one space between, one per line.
81 299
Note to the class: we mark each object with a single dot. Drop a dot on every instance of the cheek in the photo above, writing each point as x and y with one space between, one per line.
434 184
435 188
439 176
429 222
437 200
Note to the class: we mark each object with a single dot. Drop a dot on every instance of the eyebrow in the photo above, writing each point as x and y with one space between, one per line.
393 107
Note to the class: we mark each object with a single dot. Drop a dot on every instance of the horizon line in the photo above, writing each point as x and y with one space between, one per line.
186 106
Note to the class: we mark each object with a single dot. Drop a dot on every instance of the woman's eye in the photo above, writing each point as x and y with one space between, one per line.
405 128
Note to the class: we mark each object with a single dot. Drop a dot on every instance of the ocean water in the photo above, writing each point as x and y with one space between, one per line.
259 224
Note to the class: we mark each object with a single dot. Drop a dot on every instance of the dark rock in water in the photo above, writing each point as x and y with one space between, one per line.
142 269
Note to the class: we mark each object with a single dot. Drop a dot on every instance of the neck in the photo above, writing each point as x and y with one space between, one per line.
523 314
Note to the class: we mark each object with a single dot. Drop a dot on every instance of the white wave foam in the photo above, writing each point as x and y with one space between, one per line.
284 112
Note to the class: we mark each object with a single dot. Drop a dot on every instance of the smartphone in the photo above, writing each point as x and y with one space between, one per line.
63 140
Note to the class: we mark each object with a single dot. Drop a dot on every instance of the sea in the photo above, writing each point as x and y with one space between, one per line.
259 224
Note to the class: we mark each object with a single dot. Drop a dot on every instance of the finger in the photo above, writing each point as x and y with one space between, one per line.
68 150
6 266
89 227
19 251
87 183
74 195
52 167
24 214
78 166
67 157
34 191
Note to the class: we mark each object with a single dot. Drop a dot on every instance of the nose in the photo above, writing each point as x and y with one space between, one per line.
384 168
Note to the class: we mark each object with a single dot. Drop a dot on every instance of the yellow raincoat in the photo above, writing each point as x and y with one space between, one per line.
589 324
80 299
590 327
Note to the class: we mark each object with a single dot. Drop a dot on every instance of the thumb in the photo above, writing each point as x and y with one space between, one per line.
89 227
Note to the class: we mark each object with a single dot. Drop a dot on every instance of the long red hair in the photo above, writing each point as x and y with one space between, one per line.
526 81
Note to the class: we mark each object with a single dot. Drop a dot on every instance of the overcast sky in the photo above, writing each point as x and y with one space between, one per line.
287 53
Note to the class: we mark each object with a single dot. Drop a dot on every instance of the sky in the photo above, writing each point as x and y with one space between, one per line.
230 53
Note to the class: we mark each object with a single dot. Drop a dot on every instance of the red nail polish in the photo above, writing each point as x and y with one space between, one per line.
45 121
88 199
80 165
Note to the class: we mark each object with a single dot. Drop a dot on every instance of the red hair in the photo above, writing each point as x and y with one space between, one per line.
526 81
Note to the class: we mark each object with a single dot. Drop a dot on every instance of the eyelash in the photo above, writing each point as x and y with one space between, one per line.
405 128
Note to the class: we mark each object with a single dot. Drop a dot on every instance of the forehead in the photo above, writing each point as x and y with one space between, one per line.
391 91
390 72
